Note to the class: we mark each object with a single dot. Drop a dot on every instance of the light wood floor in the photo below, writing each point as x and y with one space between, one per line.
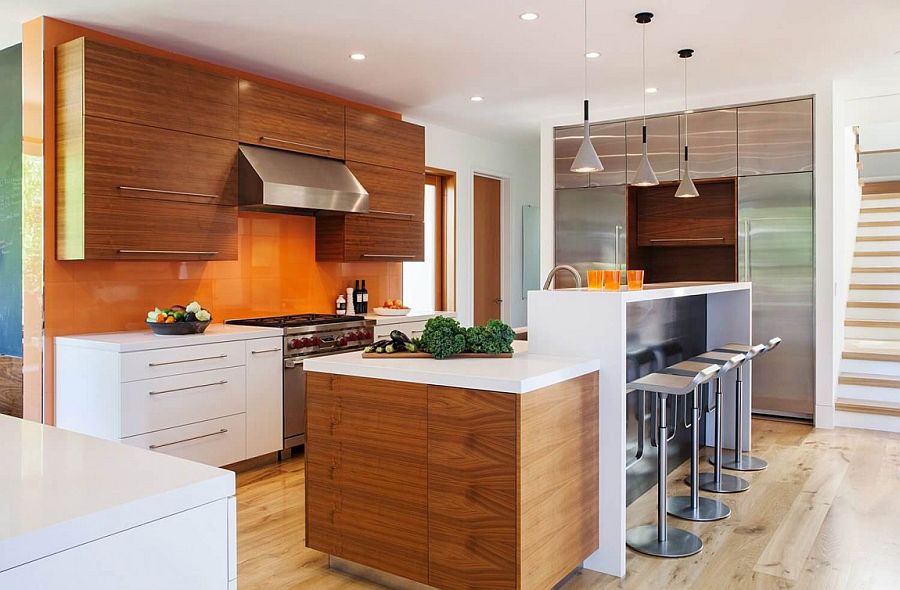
826 514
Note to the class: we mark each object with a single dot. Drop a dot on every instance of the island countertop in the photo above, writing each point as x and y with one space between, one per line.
522 373
653 291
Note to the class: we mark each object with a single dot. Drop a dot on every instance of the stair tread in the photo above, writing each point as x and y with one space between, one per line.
875 286
871 380
868 210
875 304
877 253
878 238
890 223
872 350
876 269
872 323
867 406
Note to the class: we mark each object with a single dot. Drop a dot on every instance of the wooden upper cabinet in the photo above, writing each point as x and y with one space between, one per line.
287 120
392 193
126 85
665 221
383 141
365 238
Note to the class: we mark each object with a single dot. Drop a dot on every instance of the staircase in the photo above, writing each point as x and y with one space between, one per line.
868 394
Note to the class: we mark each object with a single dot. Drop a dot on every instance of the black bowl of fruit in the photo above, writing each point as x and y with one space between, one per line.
179 320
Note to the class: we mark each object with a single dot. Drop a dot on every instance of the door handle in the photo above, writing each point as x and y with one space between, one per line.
748 275
618 231
498 300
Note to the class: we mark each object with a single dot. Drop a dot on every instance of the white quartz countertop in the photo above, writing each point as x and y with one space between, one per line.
659 290
522 373
412 316
59 489
147 340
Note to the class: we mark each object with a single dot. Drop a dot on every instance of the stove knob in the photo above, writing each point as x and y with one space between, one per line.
352 336
367 335
306 342
315 340
294 343
343 341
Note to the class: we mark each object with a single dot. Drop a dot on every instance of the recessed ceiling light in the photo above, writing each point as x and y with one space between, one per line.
529 16
476 98
651 90
592 54
357 56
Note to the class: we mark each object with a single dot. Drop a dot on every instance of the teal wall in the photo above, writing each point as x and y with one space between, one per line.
11 201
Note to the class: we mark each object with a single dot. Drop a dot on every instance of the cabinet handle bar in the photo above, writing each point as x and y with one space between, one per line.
264 138
222 382
718 239
203 358
388 256
167 192
197 252
175 442
266 350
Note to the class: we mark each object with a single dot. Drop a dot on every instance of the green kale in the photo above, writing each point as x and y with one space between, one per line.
443 337
493 338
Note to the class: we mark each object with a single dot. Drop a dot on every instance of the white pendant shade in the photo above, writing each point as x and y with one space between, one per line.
586 160
686 189
644 175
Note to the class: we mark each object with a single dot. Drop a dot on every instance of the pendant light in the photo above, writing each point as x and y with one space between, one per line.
686 189
586 160
644 175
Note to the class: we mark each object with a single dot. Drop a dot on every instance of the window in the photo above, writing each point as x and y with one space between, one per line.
426 284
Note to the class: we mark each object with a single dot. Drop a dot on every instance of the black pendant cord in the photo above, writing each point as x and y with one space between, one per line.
685 54
643 19
585 58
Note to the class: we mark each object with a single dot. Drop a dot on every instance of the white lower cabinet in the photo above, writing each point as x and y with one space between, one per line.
264 396
221 441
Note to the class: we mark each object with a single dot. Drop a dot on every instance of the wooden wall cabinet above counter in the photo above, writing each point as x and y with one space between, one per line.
383 141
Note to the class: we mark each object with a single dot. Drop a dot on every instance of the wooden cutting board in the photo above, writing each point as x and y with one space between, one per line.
426 355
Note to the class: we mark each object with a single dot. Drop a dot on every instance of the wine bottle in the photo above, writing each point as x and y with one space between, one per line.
357 299
365 297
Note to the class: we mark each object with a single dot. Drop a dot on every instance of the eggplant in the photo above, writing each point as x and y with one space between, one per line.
410 347
397 335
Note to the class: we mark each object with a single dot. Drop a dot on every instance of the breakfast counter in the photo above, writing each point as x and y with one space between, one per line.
80 512
455 473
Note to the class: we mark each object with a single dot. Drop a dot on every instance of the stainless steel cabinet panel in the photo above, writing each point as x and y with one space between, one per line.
713 143
775 138
776 253
663 146
566 141
609 141
590 230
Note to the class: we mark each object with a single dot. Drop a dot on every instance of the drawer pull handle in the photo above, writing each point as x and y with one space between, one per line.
717 239
264 138
175 442
196 252
222 382
388 256
266 350
380 212
202 358
156 190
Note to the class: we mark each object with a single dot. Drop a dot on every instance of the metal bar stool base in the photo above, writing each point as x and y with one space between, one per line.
727 484
679 543
747 463
707 509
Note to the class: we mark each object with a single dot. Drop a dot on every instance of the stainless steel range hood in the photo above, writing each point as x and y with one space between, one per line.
279 181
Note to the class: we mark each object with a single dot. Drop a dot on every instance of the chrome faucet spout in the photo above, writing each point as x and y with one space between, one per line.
558 268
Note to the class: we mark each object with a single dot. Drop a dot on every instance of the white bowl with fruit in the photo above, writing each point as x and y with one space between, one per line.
392 307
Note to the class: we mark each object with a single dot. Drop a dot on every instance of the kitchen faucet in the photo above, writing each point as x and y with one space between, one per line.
558 268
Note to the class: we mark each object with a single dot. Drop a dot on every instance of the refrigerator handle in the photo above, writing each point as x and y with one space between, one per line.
618 232
748 275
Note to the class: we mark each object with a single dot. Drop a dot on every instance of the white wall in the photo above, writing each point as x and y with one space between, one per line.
517 166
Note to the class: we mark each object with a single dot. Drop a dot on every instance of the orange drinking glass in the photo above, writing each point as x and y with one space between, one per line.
612 280
635 280
595 279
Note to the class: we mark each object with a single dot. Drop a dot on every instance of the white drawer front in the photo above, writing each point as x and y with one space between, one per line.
177 360
411 329
166 402
215 442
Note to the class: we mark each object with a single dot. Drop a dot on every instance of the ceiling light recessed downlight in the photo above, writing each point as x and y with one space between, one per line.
357 56
529 16
651 90
476 98
592 54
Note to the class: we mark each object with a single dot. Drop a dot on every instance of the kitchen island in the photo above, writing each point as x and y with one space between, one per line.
84 513
458 473
634 333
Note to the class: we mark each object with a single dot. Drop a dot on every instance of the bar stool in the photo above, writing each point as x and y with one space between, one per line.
717 482
694 507
660 540
742 462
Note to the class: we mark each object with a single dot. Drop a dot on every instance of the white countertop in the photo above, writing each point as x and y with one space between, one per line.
413 316
59 489
659 290
147 340
522 373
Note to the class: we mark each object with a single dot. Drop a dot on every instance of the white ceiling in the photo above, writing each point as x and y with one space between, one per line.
427 57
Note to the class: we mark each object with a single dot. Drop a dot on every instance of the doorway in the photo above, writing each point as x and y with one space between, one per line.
487 232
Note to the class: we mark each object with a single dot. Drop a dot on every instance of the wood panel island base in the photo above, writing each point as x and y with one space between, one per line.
448 486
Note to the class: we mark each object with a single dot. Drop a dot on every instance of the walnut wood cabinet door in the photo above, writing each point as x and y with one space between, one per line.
366 461
383 141
367 238
393 193
127 85
278 118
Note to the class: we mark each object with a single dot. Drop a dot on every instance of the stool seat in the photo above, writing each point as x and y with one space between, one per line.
673 384
749 351
692 367
725 360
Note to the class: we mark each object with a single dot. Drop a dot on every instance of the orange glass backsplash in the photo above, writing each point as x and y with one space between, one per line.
276 273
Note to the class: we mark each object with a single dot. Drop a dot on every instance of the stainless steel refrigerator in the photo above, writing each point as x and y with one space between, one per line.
776 253
590 230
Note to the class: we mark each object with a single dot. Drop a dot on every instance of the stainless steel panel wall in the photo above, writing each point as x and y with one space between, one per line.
663 144
713 143
658 333
565 145
609 141
587 222
776 253
775 138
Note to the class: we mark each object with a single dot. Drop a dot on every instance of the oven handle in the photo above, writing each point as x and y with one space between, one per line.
293 363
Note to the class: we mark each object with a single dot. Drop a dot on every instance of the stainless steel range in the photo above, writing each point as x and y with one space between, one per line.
307 336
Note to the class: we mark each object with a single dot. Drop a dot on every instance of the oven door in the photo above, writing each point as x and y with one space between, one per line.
294 403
